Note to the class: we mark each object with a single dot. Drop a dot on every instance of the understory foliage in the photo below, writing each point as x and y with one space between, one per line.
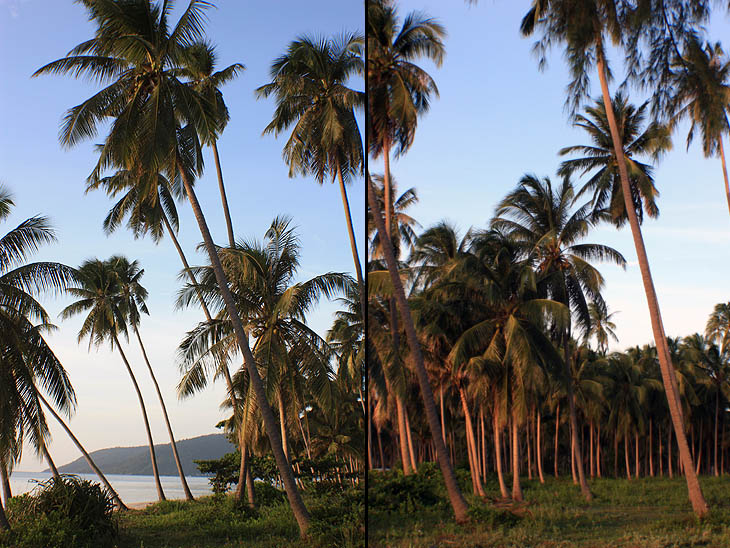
63 512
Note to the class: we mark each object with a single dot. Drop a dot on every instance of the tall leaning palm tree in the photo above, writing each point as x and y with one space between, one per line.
550 229
198 65
134 295
718 326
584 28
99 294
456 498
310 85
156 125
399 91
702 95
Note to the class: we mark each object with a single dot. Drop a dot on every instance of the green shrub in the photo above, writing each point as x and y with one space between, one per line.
338 520
393 491
65 512
266 494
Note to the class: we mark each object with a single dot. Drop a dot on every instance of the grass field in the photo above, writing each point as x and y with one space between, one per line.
649 512
215 522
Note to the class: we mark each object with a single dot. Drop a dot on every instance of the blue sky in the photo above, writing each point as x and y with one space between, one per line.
46 179
498 118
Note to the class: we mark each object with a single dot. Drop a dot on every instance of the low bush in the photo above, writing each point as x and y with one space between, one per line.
64 512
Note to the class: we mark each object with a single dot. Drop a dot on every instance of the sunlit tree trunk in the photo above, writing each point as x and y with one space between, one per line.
471 445
295 501
178 464
626 456
578 455
724 171
717 412
696 497
598 450
403 437
651 449
557 430
49 460
457 500
411 452
5 477
590 450
539 448
636 453
153 456
498 448
516 488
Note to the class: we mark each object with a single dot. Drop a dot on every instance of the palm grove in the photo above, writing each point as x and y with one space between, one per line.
291 392
490 348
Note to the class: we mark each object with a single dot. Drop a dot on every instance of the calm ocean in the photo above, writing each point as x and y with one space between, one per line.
130 488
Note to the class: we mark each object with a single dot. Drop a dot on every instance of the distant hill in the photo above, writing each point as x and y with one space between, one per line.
136 460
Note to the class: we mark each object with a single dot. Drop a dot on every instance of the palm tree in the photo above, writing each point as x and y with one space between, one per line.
602 326
605 183
718 326
583 27
512 335
540 220
198 62
99 292
156 124
309 83
399 91
134 296
457 500
702 94
274 307
28 363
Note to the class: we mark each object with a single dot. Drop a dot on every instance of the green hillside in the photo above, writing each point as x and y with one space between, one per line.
136 460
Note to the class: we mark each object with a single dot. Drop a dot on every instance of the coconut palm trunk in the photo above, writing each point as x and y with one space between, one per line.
4 524
471 445
717 412
557 430
498 448
184 260
222 190
49 460
86 455
539 449
186 489
575 443
402 436
696 497
153 457
724 171
295 500
457 500
5 477
353 242
516 487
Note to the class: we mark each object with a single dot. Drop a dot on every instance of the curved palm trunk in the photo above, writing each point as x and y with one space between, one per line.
402 437
222 190
353 243
516 487
186 489
457 500
5 477
471 446
411 452
699 505
539 450
498 448
295 500
184 260
49 460
153 457
576 449
86 455
557 430
626 456
282 425
724 172
717 411
4 523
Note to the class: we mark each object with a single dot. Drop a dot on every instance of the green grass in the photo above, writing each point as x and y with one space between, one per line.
214 522
650 512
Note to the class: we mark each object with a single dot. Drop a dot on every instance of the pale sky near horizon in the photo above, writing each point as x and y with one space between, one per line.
46 179
498 117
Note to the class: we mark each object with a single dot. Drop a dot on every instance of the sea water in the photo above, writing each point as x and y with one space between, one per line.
130 488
